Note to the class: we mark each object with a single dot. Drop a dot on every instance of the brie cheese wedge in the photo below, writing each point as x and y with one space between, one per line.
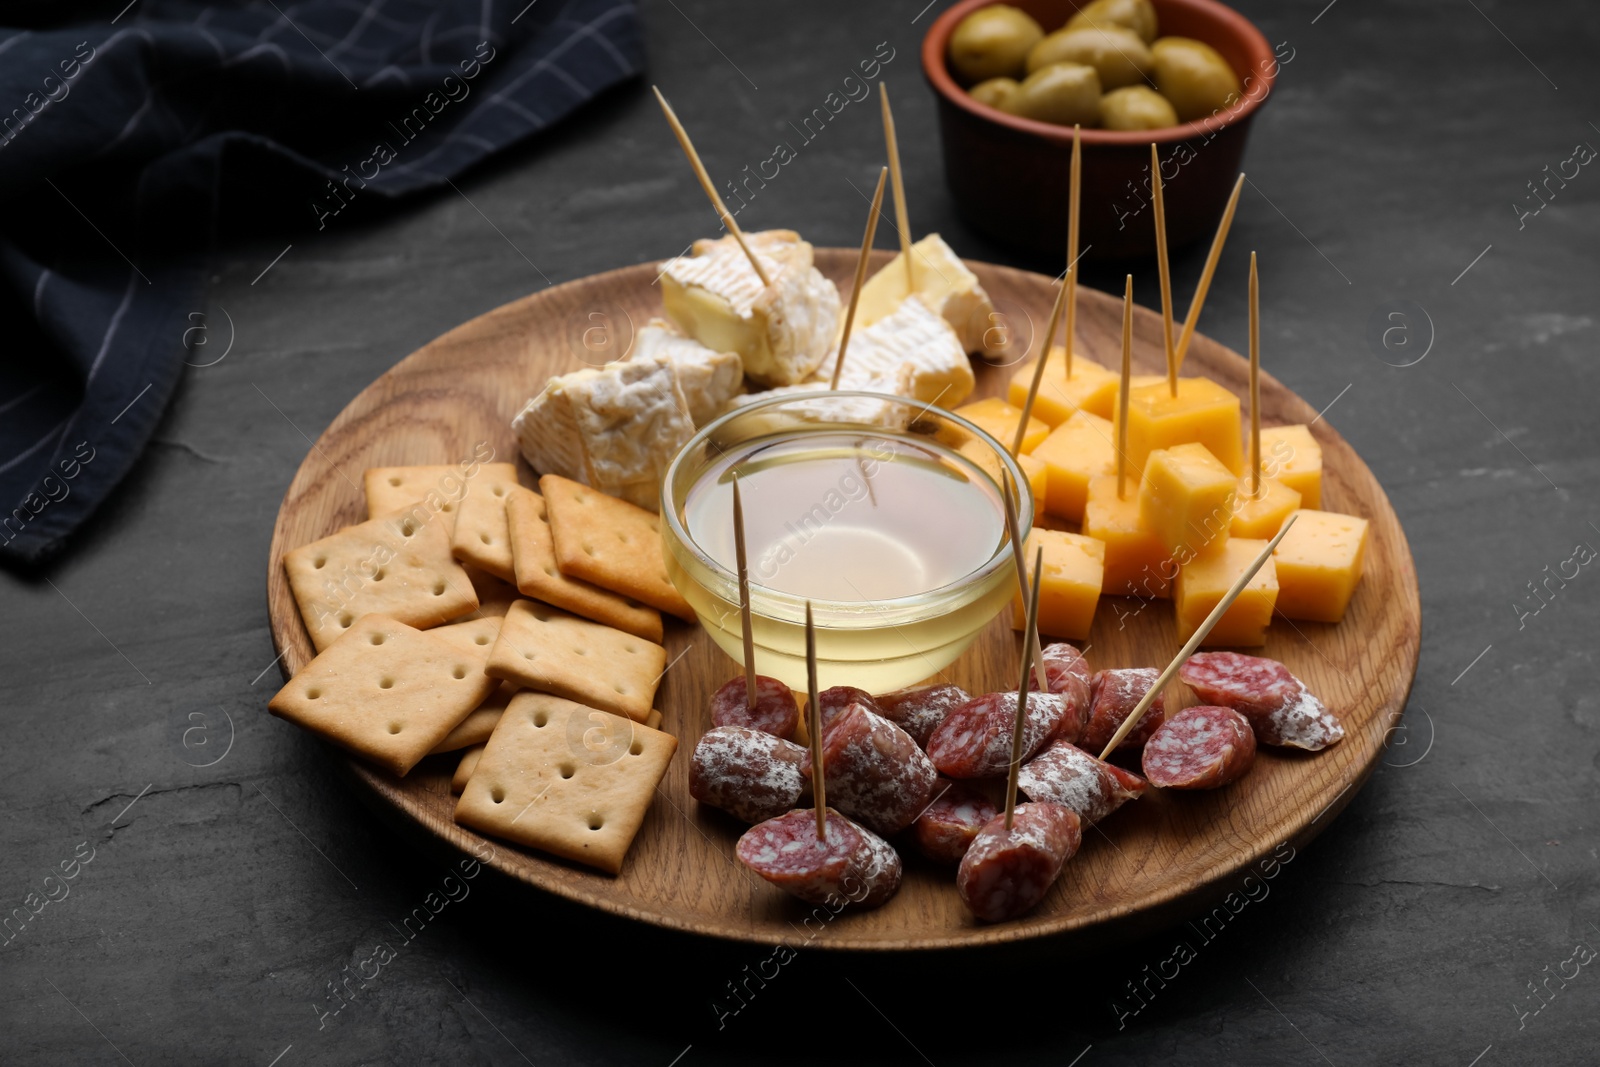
708 379
945 285
912 334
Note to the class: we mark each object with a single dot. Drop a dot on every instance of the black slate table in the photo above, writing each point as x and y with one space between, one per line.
227 881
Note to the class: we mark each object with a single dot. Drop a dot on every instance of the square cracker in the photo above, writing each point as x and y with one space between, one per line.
567 779
480 722
464 769
539 577
610 543
384 691
472 637
394 566
480 536
391 488
553 652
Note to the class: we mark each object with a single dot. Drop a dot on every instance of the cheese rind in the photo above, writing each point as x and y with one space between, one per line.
1292 456
708 379
614 428
1136 563
1078 450
1186 499
1069 583
781 331
1205 580
1091 388
1203 412
914 335
944 284
1319 565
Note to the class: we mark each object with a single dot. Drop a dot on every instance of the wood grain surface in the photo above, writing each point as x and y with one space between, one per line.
1147 865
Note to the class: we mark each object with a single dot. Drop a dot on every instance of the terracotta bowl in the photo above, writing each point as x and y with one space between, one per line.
1009 174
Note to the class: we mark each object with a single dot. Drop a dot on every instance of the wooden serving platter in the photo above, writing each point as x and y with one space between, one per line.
1144 866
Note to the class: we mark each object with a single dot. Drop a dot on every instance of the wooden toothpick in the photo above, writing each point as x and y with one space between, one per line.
902 217
1194 641
1074 184
1022 688
1038 368
861 276
1013 528
814 724
1127 380
711 190
744 595
1161 266
1255 380
1215 254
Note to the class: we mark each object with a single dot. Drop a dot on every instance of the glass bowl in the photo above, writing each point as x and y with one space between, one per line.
884 512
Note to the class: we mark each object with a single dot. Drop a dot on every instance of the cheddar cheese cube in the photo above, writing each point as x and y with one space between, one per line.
1076 451
1038 482
999 420
1205 580
1136 563
1186 499
1203 412
1261 515
1319 563
1069 588
1091 388
1292 456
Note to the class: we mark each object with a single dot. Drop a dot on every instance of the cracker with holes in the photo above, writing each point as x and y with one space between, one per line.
385 691
554 652
566 778
611 543
480 722
480 536
473 637
538 576
438 486
393 566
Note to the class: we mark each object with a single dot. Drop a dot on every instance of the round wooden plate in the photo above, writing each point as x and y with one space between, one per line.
1145 866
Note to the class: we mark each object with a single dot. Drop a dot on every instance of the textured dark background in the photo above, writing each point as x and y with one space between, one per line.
218 907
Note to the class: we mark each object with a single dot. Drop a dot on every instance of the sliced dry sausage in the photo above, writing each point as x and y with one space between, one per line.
1071 777
919 710
1006 872
1113 696
974 741
851 863
875 772
947 826
776 711
748 774
1202 747
1281 710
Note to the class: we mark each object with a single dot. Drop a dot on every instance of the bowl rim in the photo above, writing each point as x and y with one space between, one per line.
937 39
1001 557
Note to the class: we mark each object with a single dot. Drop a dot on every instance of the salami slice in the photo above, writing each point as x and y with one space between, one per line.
1281 710
875 772
1071 777
1113 696
786 852
748 774
776 711
920 710
947 826
1006 872
974 741
831 703
1202 747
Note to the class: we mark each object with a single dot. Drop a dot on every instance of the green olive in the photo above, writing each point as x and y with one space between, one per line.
1118 56
992 42
996 92
1136 107
1063 93
1136 15
1193 77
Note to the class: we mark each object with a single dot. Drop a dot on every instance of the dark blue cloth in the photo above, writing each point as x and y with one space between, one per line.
130 147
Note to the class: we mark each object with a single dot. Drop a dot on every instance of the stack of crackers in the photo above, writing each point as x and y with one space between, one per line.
523 629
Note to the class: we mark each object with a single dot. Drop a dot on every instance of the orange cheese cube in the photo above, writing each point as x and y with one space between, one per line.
1292 456
1136 564
1186 499
999 420
1204 581
1091 388
1262 516
1076 451
1069 588
1038 483
1319 564
1203 412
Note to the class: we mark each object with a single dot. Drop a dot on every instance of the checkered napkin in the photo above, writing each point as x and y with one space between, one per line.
130 147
